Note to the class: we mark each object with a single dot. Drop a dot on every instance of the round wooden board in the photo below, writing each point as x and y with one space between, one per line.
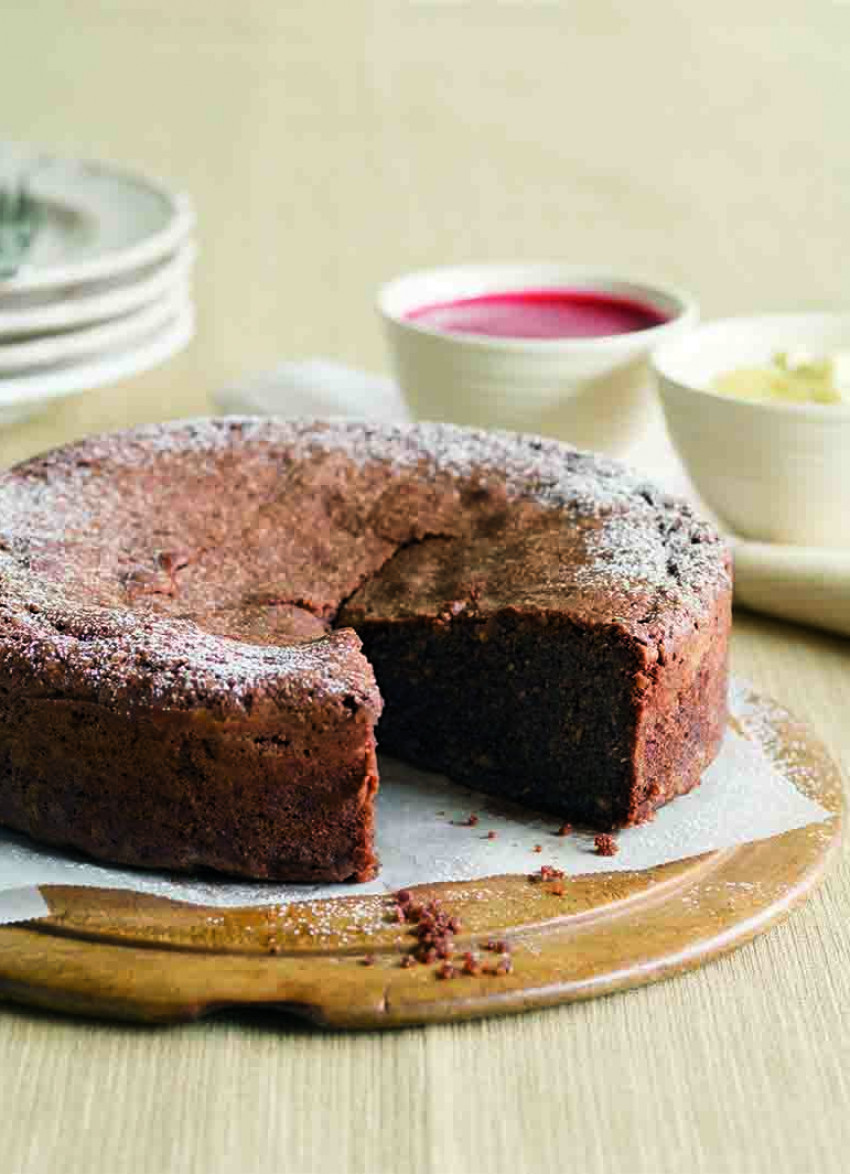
113 953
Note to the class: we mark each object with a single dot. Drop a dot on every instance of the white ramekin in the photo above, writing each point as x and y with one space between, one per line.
772 471
590 391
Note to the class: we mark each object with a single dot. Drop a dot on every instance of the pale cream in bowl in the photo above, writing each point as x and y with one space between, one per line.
774 468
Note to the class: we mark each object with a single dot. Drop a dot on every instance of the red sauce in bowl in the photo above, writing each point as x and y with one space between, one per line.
541 313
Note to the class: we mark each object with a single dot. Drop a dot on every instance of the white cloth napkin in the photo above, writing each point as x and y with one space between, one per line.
316 387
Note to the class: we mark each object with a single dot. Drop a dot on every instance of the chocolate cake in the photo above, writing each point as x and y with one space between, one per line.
182 681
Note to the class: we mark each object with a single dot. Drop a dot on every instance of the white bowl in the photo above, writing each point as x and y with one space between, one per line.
772 471
590 391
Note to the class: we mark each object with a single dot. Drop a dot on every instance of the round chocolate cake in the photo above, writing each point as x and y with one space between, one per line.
193 617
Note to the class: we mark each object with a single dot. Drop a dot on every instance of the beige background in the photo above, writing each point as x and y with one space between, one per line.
329 146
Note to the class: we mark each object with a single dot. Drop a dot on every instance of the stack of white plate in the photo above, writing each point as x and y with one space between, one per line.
105 290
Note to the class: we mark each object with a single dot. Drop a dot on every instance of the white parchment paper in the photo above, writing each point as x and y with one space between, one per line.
424 835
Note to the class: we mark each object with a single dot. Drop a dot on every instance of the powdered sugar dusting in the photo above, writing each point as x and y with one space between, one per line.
54 638
770 725
637 540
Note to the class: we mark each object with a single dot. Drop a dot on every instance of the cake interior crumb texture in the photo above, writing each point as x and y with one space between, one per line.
193 617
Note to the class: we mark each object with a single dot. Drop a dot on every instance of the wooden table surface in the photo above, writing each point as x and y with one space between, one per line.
327 148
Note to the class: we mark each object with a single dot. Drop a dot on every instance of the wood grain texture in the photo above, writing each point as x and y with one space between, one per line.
326 153
337 963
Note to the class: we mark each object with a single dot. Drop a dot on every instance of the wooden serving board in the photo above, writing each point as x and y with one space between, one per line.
119 954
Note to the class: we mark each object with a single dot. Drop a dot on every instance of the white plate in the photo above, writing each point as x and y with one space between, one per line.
38 313
99 222
74 345
25 395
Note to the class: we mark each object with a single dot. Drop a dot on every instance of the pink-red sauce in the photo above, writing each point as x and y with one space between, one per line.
541 313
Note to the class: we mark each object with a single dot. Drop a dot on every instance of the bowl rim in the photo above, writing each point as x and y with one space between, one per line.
667 350
591 277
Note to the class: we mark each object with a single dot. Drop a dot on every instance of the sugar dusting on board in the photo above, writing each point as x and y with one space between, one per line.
425 835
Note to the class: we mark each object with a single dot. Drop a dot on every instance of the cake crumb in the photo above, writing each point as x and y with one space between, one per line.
471 821
496 946
369 960
471 965
491 835
547 873
605 845
407 961
537 848
446 971
564 830
435 929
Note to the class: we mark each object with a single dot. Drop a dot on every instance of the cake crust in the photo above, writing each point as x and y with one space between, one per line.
181 687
